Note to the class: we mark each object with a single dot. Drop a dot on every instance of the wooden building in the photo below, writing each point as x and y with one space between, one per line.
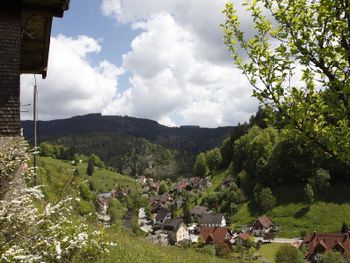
25 29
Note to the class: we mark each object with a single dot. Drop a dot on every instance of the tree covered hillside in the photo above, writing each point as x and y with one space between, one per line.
130 145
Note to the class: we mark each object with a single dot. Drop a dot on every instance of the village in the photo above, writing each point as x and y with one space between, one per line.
168 221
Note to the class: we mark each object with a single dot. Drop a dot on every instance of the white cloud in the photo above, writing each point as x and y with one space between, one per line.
72 86
170 78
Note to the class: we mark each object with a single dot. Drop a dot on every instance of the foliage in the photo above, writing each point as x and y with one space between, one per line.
90 167
86 193
214 159
252 153
116 210
208 249
344 228
264 198
309 195
289 254
320 181
97 161
34 231
200 167
12 155
299 66
57 151
332 257
222 250
163 188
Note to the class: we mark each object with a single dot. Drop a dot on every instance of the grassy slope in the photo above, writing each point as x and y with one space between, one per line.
291 214
57 176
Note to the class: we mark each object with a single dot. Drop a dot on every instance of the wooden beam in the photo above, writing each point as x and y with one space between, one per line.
43 9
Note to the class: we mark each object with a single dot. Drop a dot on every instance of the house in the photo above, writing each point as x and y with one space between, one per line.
318 243
183 185
101 205
241 238
228 182
215 235
213 220
25 27
163 215
177 230
198 211
107 195
141 179
262 225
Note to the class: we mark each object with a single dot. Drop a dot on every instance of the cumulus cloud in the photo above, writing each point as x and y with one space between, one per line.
180 66
72 86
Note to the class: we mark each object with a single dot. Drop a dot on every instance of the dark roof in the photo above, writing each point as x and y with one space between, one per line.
199 210
104 195
264 221
36 18
162 213
327 242
214 219
173 224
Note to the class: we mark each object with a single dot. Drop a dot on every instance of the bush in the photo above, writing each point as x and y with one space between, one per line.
209 249
200 167
116 210
222 250
309 195
289 254
85 208
264 198
333 257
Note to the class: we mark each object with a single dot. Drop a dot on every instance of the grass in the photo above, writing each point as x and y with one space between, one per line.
59 180
292 215
269 251
135 249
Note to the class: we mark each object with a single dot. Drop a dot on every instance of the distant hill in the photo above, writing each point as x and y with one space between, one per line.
131 145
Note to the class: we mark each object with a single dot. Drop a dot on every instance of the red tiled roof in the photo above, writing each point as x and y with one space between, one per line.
244 236
215 234
328 241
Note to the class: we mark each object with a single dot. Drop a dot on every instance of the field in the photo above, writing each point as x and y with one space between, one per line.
294 216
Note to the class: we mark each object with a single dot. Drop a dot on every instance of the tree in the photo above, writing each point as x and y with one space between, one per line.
46 149
186 214
332 257
345 228
90 167
289 254
309 194
200 167
264 198
320 181
304 75
163 188
214 159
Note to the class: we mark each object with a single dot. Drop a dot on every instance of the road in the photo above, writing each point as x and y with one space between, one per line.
281 240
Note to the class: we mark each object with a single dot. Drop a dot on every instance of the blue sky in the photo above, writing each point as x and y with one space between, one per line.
158 59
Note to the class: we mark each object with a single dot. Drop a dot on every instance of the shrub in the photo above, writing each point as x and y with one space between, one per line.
264 198
309 195
289 254
209 249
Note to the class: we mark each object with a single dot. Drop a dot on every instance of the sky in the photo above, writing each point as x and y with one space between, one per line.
158 59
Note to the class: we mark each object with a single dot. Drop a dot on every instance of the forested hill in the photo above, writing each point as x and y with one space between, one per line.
131 145
192 139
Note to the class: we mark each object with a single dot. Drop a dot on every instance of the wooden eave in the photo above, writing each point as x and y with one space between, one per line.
37 18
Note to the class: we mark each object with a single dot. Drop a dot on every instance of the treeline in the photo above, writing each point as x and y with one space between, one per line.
262 158
62 152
